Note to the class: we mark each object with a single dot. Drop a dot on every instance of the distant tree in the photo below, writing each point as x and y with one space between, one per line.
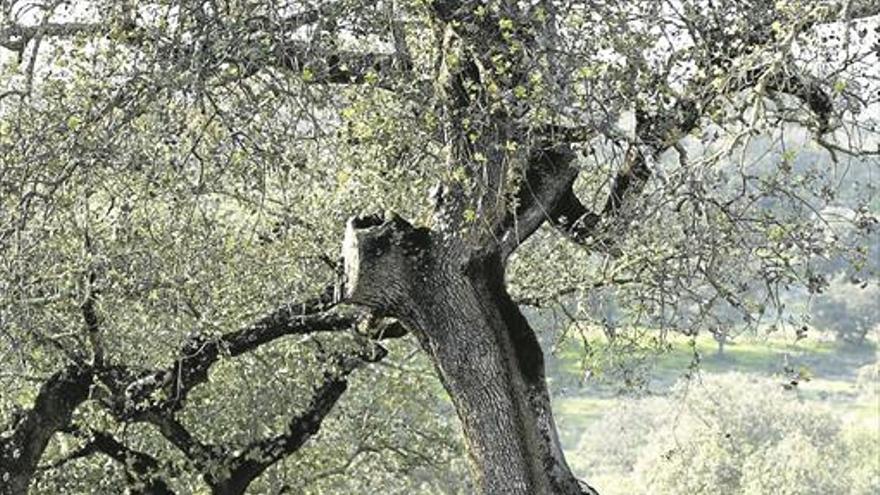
848 308
176 176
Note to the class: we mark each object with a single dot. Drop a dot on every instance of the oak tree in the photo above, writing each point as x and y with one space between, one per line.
176 176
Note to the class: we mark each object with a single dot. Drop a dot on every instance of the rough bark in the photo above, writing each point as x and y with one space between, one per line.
454 299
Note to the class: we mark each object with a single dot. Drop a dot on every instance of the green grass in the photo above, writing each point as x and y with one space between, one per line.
830 367
745 354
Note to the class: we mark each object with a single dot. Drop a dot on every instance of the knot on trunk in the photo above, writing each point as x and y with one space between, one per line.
384 260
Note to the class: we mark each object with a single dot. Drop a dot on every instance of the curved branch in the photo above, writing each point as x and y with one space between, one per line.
580 225
331 66
15 37
227 474
546 192
135 394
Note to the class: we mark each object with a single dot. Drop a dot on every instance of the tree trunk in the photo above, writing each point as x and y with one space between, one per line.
490 362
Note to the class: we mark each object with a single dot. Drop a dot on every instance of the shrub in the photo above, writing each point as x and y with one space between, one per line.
868 378
865 472
795 466
733 434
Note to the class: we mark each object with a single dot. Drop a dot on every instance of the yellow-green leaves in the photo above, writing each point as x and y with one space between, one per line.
776 233
73 122
469 215
589 71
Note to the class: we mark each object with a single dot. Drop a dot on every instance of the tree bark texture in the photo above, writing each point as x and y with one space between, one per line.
491 364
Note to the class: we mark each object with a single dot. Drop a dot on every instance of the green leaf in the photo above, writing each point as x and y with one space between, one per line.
73 122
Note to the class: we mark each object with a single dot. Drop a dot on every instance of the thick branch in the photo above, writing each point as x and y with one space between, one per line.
20 453
141 467
16 37
134 400
547 193
629 182
228 474
572 218
580 224
318 66
90 317
811 93
660 131
134 395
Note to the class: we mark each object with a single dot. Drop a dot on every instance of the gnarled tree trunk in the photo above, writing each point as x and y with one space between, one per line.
490 362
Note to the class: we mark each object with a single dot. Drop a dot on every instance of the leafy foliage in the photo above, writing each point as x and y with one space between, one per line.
738 435
174 178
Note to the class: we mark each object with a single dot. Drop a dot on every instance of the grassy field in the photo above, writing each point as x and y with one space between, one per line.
827 375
